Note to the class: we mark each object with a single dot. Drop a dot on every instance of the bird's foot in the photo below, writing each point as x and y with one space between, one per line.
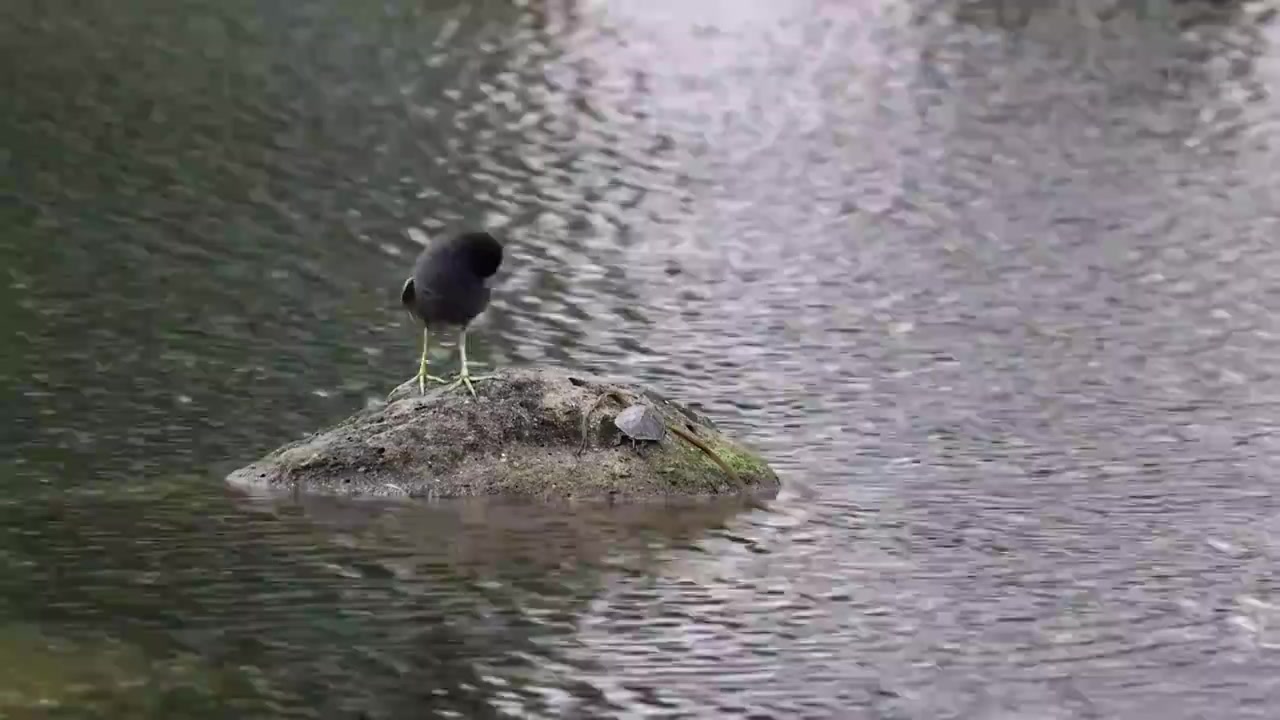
423 378
418 380
466 378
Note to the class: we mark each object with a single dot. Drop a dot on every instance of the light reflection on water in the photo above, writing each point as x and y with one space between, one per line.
991 289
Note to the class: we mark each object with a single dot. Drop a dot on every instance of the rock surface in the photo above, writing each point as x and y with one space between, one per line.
523 436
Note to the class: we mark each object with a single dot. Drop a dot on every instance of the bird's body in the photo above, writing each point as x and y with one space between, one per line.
448 290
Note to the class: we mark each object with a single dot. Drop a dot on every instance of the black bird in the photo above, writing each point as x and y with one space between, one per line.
447 290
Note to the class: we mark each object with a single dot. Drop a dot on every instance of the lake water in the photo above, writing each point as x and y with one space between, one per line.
992 287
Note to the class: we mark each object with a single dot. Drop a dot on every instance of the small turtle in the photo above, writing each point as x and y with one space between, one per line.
641 423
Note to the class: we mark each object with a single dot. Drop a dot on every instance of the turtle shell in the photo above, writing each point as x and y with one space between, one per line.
640 422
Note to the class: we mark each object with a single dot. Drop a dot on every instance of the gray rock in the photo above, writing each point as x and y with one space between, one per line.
523 436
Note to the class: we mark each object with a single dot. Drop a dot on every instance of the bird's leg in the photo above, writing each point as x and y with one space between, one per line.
422 377
464 375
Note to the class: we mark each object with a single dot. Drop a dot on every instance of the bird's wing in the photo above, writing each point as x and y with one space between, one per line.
408 298
406 293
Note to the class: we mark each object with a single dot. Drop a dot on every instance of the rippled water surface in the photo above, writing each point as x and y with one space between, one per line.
993 287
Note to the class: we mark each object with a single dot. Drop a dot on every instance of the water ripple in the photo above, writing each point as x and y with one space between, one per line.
989 286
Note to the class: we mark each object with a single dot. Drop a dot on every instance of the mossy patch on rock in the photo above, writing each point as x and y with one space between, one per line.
522 436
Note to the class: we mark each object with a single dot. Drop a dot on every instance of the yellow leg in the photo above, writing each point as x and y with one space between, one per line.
422 376
464 375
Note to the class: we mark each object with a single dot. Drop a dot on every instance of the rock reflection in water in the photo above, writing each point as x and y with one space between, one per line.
494 587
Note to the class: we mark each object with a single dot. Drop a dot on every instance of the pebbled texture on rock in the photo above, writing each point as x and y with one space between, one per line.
523 436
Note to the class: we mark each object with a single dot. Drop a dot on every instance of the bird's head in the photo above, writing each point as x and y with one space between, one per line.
483 252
